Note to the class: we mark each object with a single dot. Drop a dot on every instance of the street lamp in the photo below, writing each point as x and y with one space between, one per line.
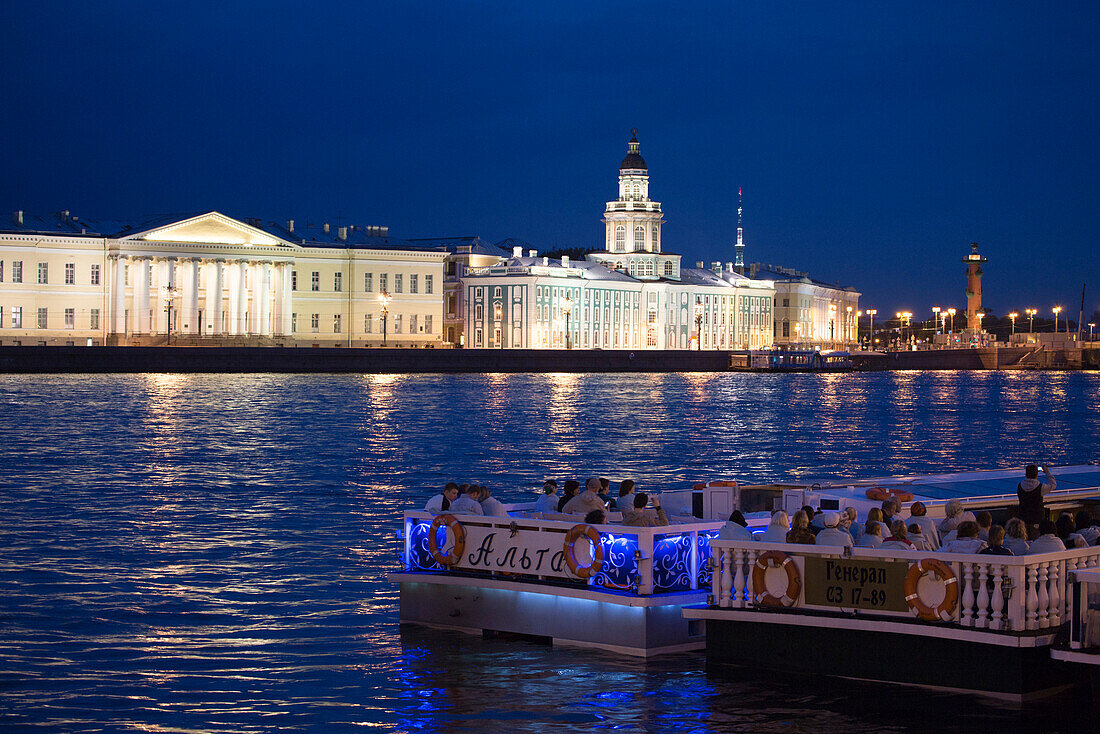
980 316
384 299
848 324
951 313
567 308
1031 319
935 317
698 325
1013 316
871 318
1057 310
1091 327
169 292
859 315
832 322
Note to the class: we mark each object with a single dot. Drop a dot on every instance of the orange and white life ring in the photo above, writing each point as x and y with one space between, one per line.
775 559
577 532
945 610
460 540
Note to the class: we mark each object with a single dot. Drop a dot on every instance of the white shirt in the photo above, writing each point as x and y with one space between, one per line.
547 503
1018 546
834 536
583 503
733 531
435 505
927 528
1046 544
964 545
896 545
869 540
775 534
493 507
465 505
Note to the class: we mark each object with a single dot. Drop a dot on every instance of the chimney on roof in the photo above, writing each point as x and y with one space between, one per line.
546 262
325 227
290 225
517 251
342 233
729 266
565 261
532 253
17 217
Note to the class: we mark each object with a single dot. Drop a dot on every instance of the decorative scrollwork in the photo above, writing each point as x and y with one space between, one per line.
620 564
672 563
420 556
705 536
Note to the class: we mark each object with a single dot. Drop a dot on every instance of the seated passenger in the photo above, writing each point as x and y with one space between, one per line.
985 521
587 500
548 500
916 537
872 533
890 509
1086 527
832 534
490 505
468 503
953 509
736 528
1066 529
898 539
442 502
918 514
1016 537
875 515
849 521
967 540
568 492
996 542
637 516
626 494
605 494
1048 540
800 529
776 532
595 517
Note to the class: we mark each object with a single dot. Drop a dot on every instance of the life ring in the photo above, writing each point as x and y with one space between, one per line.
460 540
569 547
775 559
880 494
945 609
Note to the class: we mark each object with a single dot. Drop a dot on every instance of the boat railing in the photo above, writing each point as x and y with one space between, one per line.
1084 610
638 560
1014 594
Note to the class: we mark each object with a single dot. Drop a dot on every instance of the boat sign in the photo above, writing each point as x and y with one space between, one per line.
525 551
856 584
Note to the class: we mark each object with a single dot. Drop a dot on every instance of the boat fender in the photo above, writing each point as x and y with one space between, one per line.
460 540
569 547
945 610
775 559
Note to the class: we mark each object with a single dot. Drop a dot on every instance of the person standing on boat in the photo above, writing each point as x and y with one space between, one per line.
1031 492
442 502
587 500
548 500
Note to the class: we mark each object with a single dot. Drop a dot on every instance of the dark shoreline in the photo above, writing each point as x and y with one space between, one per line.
78 360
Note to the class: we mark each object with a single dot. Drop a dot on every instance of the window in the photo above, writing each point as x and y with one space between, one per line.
477 293
93 318
315 281
497 292
655 248
95 275
479 312
428 322
17 317
1 317
70 318
43 273
1 271
428 282
293 280
17 271
412 324
42 318
336 324
368 324
639 238
368 282
668 270
293 323
397 323
315 322
70 273
786 303
620 238
382 282
398 284
414 285
338 282
477 337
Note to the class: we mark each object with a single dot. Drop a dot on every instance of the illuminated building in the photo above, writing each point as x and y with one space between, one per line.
809 312
974 289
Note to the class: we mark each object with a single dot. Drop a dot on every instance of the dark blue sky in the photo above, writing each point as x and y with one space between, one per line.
874 142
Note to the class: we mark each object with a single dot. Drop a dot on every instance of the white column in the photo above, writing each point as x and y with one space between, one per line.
242 298
142 295
278 306
234 281
214 286
192 318
256 275
160 317
119 296
288 299
265 299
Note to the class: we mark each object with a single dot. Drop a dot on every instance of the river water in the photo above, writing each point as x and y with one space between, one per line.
207 553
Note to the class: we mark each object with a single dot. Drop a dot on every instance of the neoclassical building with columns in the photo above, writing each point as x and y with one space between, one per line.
208 278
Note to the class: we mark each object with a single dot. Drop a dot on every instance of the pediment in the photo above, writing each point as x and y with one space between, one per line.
211 228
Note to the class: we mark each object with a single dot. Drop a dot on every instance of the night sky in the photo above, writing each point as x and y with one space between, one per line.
874 142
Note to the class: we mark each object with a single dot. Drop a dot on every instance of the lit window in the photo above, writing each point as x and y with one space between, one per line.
42 318
293 323
70 273
70 318
398 285
95 275
428 284
414 284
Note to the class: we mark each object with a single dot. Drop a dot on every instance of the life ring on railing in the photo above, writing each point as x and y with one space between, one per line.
569 547
945 610
775 559
460 540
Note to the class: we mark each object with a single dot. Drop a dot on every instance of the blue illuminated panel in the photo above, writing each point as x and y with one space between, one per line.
672 562
420 558
704 575
620 563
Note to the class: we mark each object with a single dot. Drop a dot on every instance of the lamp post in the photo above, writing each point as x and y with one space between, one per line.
384 299
871 319
698 325
859 315
908 316
935 317
951 313
980 315
1057 310
832 323
567 308
1012 316
847 323
1091 327
169 292
1031 319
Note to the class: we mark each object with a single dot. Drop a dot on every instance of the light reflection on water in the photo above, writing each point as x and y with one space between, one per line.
208 552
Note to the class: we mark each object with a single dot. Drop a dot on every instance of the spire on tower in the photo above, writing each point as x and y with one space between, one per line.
739 249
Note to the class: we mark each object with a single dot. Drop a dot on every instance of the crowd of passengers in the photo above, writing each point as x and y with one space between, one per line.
961 531
593 503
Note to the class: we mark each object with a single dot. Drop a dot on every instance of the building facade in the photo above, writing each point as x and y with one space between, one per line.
811 313
208 278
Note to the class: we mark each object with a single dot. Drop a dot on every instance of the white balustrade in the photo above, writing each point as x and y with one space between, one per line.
996 602
966 616
982 619
739 579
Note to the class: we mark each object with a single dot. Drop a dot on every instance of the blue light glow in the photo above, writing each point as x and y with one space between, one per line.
672 555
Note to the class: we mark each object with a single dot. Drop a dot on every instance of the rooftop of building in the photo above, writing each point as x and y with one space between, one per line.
633 160
781 274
